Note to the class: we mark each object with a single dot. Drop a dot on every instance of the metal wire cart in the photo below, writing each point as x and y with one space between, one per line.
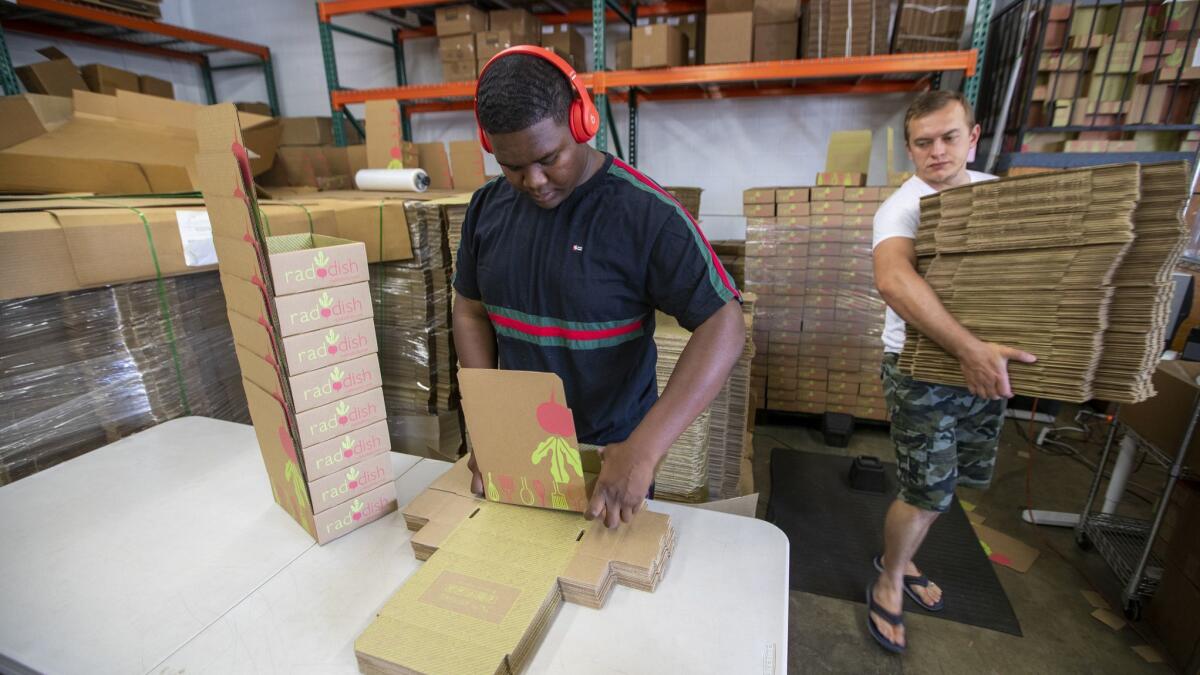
1123 542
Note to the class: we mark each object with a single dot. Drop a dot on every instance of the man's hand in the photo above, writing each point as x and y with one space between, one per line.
620 490
985 367
476 477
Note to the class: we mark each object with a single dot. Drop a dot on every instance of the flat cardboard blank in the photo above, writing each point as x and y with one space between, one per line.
494 577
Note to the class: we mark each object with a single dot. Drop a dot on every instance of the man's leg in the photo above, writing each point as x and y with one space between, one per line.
923 432
978 438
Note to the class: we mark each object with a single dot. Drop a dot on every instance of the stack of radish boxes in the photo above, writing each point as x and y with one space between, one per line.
301 315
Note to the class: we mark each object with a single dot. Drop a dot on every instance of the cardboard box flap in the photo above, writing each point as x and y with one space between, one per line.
110 245
238 258
261 373
524 440
31 115
83 201
91 103
248 300
254 336
279 452
53 54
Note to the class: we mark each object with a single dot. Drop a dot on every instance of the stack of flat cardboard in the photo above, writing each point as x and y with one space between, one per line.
1034 262
688 197
494 577
729 418
683 475
819 316
82 369
732 253
929 26
300 310
835 28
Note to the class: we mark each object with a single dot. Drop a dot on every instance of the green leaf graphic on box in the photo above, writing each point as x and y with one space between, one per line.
325 301
356 505
352 474
336 375
342 408
347 442
561 456
331 337
320 260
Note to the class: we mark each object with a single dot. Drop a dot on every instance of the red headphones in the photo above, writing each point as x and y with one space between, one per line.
583 119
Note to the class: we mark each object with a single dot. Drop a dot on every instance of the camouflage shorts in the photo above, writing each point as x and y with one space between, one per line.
944 436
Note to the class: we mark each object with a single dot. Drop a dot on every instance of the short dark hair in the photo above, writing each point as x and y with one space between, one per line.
520 90
933 101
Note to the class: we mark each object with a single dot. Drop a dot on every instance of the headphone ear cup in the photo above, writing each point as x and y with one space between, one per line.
577 123
483 140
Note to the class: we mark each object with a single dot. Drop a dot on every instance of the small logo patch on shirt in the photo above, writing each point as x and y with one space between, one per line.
577 248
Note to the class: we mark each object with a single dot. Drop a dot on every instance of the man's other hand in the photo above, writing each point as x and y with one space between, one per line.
620 490
985 367
476 477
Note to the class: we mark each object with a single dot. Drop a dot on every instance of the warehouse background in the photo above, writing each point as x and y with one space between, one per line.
721 146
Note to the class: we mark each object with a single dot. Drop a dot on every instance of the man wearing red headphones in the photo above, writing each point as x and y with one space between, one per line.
564 262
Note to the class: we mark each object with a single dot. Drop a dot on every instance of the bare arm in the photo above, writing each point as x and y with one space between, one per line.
984 364
475 341
701 371
474 337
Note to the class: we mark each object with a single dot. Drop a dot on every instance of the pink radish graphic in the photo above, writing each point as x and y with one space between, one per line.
325 302
352 478
331 339
555 419
320 261
506 486
356 509
348 447
336 377
342 411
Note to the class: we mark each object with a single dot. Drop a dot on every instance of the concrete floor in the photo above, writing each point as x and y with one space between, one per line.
829 635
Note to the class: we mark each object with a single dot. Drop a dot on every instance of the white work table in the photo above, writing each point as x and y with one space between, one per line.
164 553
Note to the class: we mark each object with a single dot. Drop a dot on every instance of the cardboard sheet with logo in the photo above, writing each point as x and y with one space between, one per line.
496 574
297 294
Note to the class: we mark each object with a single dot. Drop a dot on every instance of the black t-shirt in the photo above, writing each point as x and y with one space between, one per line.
572 290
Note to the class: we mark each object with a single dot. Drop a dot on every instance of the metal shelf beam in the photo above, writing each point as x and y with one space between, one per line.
141 25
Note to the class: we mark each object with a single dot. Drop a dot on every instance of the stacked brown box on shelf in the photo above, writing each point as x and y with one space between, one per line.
776 30
732 254
457 27
568 43
729 31
307 156
1112 66
929 26
506 28
835 28
1073 267
808 258
659 45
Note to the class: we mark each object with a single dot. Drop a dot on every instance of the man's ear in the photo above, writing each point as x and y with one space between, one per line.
975 132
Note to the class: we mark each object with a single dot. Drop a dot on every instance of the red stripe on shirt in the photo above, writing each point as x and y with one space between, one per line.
712 254
560 331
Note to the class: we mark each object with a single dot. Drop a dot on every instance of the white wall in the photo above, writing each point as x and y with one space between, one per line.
721 146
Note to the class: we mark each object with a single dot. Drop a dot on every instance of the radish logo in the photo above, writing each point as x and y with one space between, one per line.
336 378
343 411
326 305
348 447
334 344
356 509
319 263
331 339
352 478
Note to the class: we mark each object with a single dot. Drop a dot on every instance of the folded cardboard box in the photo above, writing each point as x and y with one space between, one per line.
520 23
457 48
55 76
459 70
104 79
776 41
292 411
158 87
567 42
659 46
28 116
460 20
729 37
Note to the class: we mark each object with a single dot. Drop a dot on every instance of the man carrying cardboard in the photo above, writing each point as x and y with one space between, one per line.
944 436
561 268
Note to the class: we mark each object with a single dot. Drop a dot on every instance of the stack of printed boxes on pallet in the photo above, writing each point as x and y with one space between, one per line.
808 257
301 315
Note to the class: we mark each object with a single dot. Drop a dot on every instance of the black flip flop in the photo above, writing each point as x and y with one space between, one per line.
909 582
894 619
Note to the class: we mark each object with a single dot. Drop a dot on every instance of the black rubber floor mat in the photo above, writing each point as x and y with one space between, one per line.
835 532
